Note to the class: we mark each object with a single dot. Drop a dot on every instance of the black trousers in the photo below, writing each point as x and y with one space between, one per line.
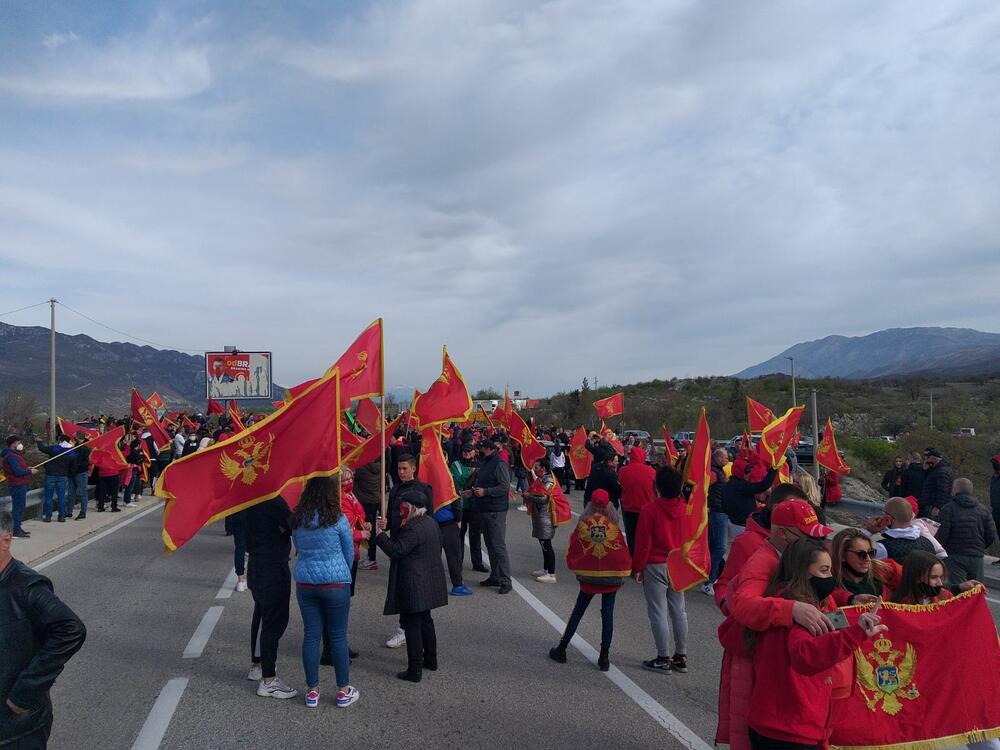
495 532
107 490
760 742
270 583
561 477
421 640
631 524
451 540
37 740
371 515
548 555
472 526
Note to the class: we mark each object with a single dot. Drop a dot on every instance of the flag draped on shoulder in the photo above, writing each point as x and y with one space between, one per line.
361 369
597 549
827 454
214 407
580 458
520 433
670 450
434 470
70 429
105 453
608 434
291 445
903 679
612 406
558 504
758 415
777 436
689 564
143 413
446 400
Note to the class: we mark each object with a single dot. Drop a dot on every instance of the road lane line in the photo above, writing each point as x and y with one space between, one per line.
155 726
200 638
96 537
681 732
228 586
991 599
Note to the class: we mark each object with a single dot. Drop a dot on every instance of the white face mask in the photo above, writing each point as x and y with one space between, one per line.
19 447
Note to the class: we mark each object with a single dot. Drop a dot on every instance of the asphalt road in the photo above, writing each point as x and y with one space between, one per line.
131 685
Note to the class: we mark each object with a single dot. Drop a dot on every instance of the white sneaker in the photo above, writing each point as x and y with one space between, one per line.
536 573
130 505
523 508
547 578
254 674
397 639
241 584
275 689
708 589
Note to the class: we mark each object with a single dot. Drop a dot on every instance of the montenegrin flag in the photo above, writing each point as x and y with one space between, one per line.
608 434
928 682
611 406
105 453
372 447
69 429
368 415
669 447
143 413
214 407
558 504
434 470
689 564
777 436
520 433
758 415
580 458
447 399
361 368
156 401
288 446
827 454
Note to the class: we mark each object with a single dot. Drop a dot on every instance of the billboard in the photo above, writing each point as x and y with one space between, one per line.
238 375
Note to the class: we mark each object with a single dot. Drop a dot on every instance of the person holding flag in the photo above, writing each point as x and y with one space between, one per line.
18 475
548 509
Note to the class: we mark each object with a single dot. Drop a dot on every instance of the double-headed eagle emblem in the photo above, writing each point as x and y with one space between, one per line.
362 366
886 678
598 536
249 461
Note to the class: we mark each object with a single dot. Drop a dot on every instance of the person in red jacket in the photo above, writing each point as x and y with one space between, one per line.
832 493
793 686
18 475
636 478
658 534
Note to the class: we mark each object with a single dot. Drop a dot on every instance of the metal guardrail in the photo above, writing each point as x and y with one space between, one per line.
35 498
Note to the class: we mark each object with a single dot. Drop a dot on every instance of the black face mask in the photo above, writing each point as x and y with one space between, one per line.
927 590
822 586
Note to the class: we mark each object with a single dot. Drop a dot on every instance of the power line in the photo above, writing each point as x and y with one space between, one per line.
129 335
11 312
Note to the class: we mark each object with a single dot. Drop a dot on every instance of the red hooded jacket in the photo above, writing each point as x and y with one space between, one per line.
658 531
636 479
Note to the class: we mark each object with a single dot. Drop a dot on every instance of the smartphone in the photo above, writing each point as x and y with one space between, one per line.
838 619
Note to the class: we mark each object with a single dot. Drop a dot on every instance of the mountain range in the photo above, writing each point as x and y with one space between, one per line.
96 376
893 352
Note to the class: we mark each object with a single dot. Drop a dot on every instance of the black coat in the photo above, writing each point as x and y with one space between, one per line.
937 488
393 502
967 528
716 489
63 463
739 497
38 635
889 482
995 493
603 477
913 480
416 574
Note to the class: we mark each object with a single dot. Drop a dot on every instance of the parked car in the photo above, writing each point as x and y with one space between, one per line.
678 436
637 434
965 432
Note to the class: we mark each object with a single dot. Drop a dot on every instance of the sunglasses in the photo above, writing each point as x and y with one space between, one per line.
863 554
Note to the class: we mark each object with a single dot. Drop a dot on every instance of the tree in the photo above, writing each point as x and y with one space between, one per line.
17 409
487 394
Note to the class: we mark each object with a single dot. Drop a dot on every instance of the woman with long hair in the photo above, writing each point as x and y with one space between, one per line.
855 568
548 509
793 669
325 553
923 580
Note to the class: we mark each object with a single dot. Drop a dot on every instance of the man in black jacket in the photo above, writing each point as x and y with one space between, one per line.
739 497
56 476
892 480
995 494
718 521
967 529
490 492
604 476
937 484
38 637
79 476
913 477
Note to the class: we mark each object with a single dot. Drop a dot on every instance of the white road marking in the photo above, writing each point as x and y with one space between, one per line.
200 638
228 586
681 732
96 537
991 599
155 726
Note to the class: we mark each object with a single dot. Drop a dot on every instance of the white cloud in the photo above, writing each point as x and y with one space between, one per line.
51 41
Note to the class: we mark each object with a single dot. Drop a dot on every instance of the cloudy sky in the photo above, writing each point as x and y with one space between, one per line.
625 190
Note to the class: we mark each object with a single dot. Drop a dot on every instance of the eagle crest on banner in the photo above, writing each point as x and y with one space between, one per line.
599 536
248 461
362 366
887 677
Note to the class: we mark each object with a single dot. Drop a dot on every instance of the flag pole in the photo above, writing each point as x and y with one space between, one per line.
381 410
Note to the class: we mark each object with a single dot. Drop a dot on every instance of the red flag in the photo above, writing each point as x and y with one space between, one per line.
611 406
368 415
361 368
214 407
597 549
446 400
520 433
277 404
372 447
671 449
903 678
608 434
746 443
558 504
689 565
434 469
233 408
143 413
503 412
579 457
255 466
827 454
349 441
156 401
147 460
189 424
69 429
758 415
105 453
777 436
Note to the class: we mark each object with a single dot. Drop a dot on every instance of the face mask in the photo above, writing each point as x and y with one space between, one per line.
927 590
404 513
19 447
822 586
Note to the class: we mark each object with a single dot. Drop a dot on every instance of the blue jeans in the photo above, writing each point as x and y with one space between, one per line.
607 617
55 485
79 491
18 496
718 534
333 606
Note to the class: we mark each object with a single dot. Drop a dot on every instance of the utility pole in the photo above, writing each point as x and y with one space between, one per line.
932 410
52 372
792 360
815 436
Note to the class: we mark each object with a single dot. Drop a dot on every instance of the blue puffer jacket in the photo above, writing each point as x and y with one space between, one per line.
325 553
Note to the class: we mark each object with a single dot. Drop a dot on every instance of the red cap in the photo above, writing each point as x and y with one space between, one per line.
686 443
600 499
913 504
798 514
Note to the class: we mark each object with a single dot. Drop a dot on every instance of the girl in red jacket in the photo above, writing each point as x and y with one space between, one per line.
791 699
